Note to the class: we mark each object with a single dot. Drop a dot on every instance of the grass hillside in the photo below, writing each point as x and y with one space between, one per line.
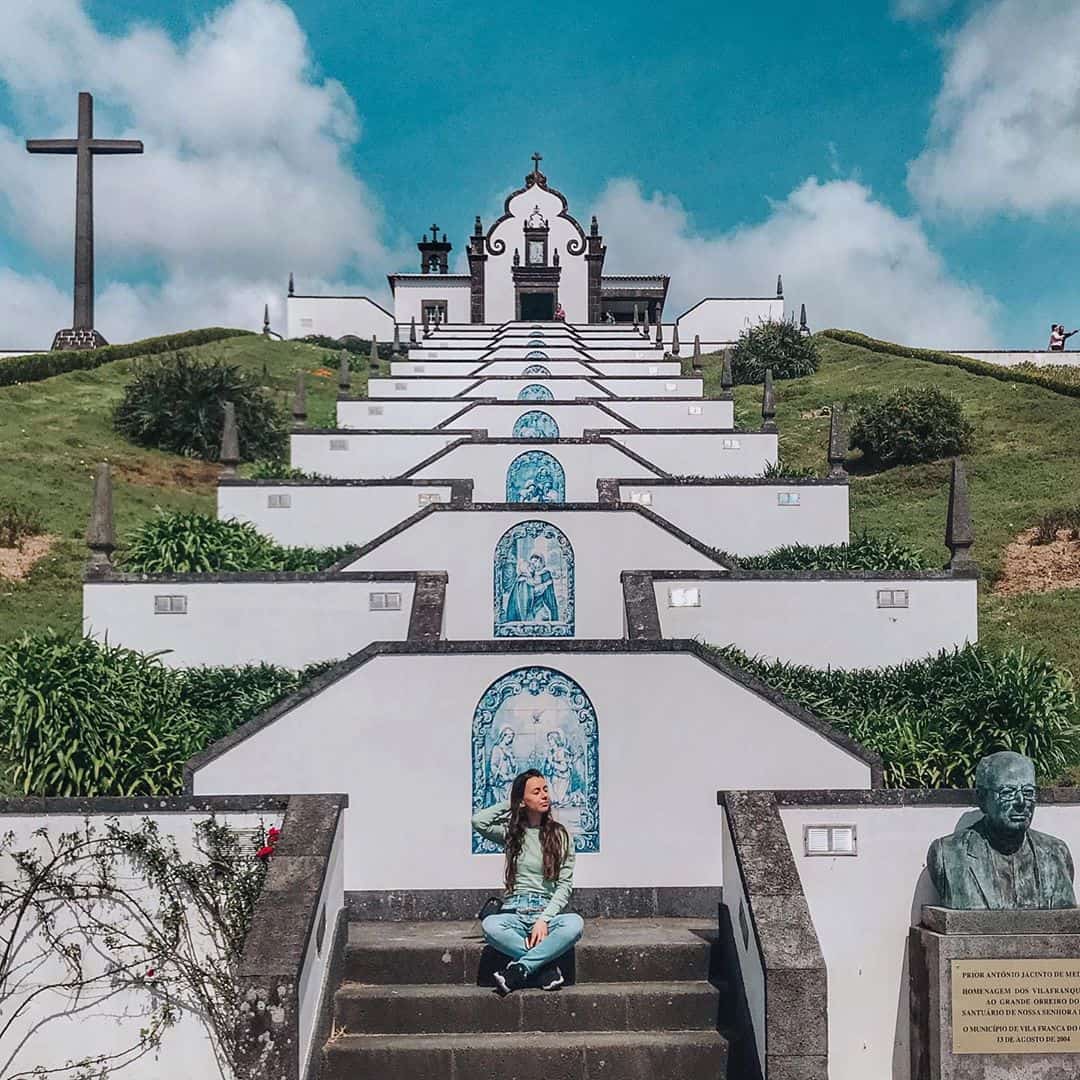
54 432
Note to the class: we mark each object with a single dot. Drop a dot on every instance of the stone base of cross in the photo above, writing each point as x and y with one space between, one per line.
77 339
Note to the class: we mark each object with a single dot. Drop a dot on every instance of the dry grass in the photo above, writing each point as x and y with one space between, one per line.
1028 567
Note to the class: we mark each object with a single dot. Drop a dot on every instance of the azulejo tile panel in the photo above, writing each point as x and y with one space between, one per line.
536 354
536 369
536 424
535 392
535 476
534 582
539 718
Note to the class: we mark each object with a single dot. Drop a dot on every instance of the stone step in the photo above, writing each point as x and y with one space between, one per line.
611 950
618 1006
544 1055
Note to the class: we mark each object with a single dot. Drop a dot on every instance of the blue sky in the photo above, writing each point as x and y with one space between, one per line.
908 165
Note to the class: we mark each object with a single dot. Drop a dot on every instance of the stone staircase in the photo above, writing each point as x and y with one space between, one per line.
416 1001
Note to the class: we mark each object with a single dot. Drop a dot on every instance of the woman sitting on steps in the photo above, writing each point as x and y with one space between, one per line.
532 928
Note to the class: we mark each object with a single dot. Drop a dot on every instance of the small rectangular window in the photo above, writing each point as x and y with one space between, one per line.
653 369
384 601
426 498
684 597
374 410
731 444
279 502
693 410
829 840
642 498
671 386
401 386
170 605
892 598
788 498
418 369
433 356
307 324
339 444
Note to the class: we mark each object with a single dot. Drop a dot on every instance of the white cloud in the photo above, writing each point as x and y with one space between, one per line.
919 10
853 262
1005 134
244 176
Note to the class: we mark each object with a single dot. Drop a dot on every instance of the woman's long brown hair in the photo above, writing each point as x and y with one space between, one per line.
554 839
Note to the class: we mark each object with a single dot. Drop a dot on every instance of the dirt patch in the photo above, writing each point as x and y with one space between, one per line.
187 473
1029 567
17 562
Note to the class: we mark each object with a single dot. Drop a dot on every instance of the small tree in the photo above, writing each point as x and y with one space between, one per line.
913 424
176 403
773 344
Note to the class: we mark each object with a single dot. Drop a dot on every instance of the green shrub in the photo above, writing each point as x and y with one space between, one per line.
1049 525
932 720
1064 382
38 366
81 718
17 521
176 403
192 543
912 424
776 345
781 470
884 554
359 350
277 469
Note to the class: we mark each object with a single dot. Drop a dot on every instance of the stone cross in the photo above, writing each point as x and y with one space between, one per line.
537 158
84 147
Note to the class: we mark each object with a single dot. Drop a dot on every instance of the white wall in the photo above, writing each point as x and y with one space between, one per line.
367 455
383 413
9 354
747 519
325 515
681 414
286 623
56 1027
562 387
412 715
703 453
826 623
862 908
409 294
720 320
1012 357
336 316
463 543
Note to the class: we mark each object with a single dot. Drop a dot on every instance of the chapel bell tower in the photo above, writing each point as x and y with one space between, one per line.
434 253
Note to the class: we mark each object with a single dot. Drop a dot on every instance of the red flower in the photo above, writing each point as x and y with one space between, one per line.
273 835
149 973
264 852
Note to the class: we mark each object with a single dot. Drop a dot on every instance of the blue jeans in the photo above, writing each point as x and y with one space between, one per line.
506 932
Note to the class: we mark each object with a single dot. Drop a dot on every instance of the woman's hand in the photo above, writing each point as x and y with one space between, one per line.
537 934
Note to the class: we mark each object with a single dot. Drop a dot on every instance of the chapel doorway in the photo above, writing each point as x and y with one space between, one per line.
536 306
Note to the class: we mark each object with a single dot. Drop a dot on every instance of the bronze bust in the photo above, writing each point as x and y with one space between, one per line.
1000 862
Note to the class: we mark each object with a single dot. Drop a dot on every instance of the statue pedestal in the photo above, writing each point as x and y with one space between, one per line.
77 339
995 994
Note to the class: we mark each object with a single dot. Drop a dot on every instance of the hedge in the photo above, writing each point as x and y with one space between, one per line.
38 366
965 363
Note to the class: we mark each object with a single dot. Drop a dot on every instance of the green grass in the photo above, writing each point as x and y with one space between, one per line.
1025 464
54 432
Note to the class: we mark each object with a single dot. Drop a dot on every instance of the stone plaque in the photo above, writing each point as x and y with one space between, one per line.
1016 1006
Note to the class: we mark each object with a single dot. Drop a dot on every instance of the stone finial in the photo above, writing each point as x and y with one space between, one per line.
478 228
838 443
637 318
768 403
594 228
396 349
299 401
344 374
804 327
373 356
266 320
100 534
412 329
517 257
230 442
427 325
780 286
727 380
292 285
696 359
675 339
959 530
555 257
659 330
645 323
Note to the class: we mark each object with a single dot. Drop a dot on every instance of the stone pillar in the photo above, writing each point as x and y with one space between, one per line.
477 259
804 327
959 529
373 356
675 339
100 533
344 378
768 403
299 404
230 443
395 349
726 379
838 444
412 330
695 361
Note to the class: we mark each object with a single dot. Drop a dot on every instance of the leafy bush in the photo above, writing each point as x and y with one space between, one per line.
776 345
884 554
17 520
912 424
278 469
38 366
359 350
79 718
932 720
1049 525
781 470
179 543
176 403
1064 382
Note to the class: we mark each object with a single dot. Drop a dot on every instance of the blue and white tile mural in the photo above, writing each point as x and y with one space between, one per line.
537 342
534 582
535 392
536 356
539 718
535 424
535 476
536 369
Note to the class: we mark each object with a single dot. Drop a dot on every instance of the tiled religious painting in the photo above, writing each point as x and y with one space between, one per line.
539 718
535 476
536 369
534 582
534 343
535 392
535 355
536 424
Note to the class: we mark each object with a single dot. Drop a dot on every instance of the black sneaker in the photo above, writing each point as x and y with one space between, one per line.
512 977
551 978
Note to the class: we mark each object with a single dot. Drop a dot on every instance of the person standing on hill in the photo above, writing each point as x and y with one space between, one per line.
1058 337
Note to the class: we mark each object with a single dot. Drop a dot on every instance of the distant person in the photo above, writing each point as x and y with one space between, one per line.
560 313
1058 337
609 318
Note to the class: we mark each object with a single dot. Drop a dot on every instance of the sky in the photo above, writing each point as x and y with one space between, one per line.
911 167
